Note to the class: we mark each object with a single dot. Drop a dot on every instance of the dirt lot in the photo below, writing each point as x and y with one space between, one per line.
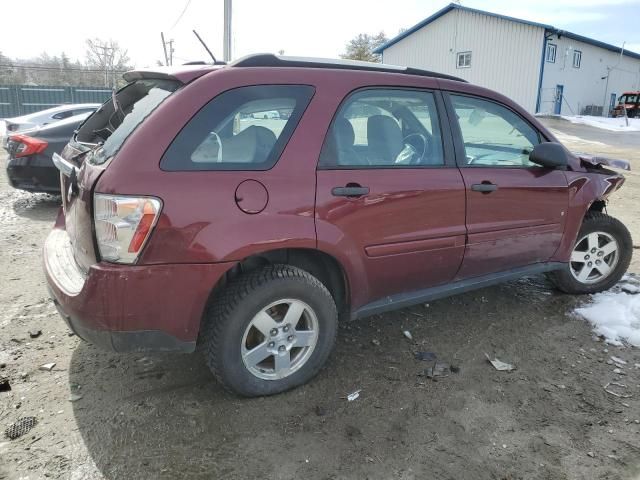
163 416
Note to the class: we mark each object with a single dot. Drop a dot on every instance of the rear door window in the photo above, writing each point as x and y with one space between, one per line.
382 128
63 115
245 128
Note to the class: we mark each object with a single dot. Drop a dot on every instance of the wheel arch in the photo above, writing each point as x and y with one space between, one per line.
323 266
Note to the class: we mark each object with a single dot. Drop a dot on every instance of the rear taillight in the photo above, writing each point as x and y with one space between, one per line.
26 145
123 224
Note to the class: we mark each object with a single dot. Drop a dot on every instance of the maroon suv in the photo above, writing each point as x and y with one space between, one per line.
248 207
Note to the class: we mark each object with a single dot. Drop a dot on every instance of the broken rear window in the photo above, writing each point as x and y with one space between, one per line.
112 124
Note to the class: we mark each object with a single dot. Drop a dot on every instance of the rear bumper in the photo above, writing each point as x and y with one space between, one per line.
34 174
129 308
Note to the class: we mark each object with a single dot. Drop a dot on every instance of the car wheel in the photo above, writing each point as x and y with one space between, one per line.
600 257
270 330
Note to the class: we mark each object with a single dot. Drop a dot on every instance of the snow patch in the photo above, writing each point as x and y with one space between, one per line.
612 124
3 128
615 314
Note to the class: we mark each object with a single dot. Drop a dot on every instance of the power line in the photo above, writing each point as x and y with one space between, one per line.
181 14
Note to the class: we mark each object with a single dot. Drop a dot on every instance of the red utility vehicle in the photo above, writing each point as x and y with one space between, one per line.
629 101
248 207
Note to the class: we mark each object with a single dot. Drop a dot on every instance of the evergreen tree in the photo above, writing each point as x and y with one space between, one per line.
362 47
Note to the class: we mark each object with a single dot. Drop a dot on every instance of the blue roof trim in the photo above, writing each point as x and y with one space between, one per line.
444 11
554 30
415 28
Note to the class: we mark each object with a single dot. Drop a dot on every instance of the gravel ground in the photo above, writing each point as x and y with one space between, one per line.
110 416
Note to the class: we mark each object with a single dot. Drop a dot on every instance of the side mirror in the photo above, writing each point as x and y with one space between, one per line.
550 155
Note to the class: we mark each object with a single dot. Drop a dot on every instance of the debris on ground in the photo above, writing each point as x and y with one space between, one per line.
75 397
439 369
352 431
499 365
5 386
618 386
19 428
353 396
35 333
320 411
618 360
47 366
425 356
407 334
376 342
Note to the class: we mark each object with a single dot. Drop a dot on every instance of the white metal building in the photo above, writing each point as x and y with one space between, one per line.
545 69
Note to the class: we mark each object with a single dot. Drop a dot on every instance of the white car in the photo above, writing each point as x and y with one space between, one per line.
44 117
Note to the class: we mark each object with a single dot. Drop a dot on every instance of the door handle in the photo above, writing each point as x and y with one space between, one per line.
484 187
350 191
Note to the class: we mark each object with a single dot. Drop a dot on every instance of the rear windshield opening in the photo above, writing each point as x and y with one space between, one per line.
116 119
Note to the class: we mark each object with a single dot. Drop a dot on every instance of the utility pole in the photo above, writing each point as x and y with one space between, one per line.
107 57
227 31
171 50
164 47
605 110
168 56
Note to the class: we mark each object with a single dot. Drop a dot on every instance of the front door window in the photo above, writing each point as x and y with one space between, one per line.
493 135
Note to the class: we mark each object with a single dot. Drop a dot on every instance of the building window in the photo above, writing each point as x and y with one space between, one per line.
577 58
551 53
464 60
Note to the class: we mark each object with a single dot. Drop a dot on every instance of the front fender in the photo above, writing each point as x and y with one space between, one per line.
585 189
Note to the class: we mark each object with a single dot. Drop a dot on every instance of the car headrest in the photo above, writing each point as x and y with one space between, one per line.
384 138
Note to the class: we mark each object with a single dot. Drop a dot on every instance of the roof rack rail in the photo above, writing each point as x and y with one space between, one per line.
271 60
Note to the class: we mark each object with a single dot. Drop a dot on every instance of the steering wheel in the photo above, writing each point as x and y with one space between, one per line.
420 143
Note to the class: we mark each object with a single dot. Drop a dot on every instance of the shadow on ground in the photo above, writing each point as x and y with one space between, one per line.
164 416
39 207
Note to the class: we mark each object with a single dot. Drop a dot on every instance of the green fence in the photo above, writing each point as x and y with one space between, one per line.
16 100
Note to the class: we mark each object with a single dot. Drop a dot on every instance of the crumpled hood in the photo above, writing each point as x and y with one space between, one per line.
596 160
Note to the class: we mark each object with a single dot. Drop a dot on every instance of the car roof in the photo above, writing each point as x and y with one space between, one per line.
188 72
55 126
275 61
52 111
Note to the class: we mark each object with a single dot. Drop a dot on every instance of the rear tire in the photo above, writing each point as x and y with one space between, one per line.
594 265
251 319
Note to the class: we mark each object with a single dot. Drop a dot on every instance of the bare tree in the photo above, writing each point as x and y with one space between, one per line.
362 47
109 56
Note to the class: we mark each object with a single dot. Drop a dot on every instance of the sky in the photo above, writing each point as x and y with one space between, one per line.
299 27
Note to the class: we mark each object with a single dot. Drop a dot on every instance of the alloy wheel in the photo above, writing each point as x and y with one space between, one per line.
280 339
594 257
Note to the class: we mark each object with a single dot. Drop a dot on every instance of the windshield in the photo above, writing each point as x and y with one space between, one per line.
112 124
629 98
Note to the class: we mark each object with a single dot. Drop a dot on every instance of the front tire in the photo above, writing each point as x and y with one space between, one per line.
269 331
600 257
